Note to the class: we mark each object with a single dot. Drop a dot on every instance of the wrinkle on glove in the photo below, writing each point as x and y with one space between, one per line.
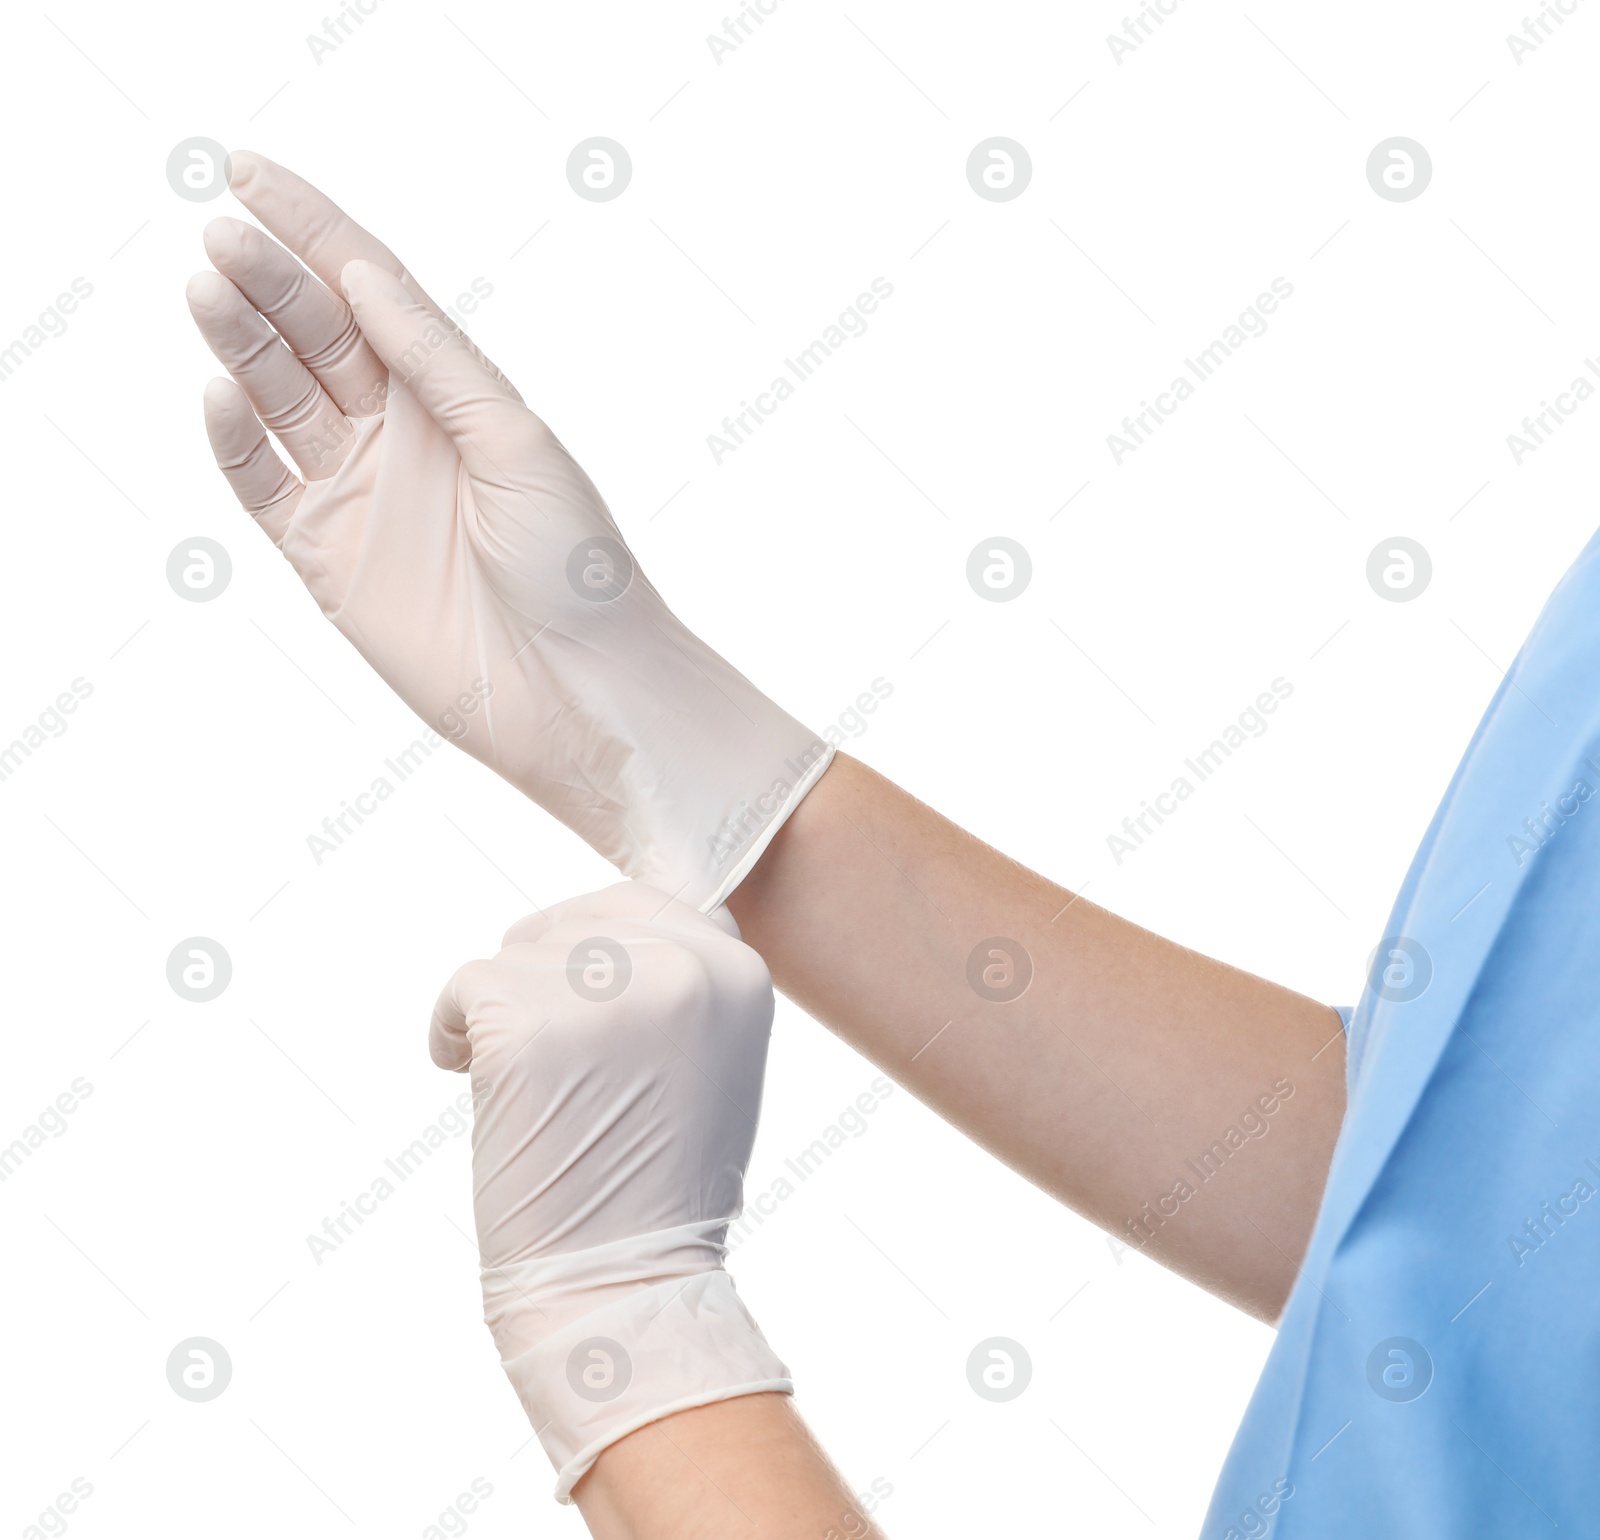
609 713
664 1343
1437 1369
617 1046
446 532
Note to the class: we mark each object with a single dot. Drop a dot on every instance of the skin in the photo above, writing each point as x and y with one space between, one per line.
1126 1057
722 1472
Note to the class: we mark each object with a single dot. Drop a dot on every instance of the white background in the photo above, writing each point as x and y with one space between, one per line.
829 149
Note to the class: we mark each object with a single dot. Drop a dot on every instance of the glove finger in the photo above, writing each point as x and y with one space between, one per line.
261 481
314 321
286 395
306 220
529 928
317 230
449 1045
488 424
479 1021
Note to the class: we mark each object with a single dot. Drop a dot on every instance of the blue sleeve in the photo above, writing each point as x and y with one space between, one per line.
1345 1013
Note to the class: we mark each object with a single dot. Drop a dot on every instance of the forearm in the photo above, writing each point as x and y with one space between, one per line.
732 1469
1127 1058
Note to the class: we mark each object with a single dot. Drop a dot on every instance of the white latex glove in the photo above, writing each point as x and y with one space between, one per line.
617 1046
446 532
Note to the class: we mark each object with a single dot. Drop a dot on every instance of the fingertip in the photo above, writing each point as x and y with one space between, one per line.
363 281
225 238
244 167
447 1047
221 394
207 291
448 1044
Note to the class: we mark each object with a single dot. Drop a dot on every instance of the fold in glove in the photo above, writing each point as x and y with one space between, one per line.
447 533
617 1046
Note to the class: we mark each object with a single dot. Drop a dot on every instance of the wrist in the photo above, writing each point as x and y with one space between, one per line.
656 1352
717 1473
599 1343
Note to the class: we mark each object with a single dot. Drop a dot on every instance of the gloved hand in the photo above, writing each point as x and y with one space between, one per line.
616 1046
446 532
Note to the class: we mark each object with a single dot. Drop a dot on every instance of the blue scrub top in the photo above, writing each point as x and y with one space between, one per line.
1437 1369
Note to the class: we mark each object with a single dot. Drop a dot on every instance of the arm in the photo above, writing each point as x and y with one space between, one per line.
733 1469
496 614
1126 1058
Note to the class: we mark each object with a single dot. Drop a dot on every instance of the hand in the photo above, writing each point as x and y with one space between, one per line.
445 531
617 1046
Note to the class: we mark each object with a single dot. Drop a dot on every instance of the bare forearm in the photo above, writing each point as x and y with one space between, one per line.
1117 1080
721 1472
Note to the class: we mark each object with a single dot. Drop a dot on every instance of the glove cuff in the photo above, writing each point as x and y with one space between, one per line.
674 1345
731 875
